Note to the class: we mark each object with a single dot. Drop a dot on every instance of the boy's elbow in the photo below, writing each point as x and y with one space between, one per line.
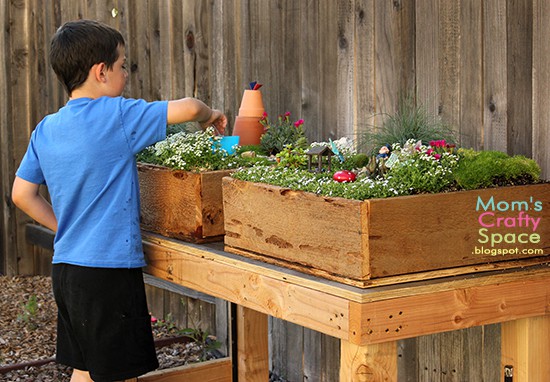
16 197
21 192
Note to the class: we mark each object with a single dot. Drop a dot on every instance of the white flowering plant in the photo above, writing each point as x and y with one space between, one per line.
191 151
416 170
413 168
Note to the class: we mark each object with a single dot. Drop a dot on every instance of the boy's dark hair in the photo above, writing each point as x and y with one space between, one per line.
79 45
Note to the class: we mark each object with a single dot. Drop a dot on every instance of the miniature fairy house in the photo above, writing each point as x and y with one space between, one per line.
319 152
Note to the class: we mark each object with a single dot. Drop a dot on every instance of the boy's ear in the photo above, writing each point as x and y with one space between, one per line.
99 71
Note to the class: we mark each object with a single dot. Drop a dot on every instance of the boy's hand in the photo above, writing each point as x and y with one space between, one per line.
218 120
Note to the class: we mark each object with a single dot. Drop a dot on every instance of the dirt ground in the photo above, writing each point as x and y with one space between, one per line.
28 333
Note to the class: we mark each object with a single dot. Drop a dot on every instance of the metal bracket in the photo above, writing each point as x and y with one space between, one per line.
508 373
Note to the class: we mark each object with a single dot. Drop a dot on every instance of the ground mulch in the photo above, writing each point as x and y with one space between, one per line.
28 319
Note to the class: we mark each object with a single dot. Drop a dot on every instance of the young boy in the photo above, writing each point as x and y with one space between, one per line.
85 155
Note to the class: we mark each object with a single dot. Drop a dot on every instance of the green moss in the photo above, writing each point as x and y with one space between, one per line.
494 168
359 160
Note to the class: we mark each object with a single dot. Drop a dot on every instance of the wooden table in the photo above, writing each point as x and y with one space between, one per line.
367 321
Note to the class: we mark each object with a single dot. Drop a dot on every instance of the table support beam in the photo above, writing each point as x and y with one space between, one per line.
368 363
252 345
525 347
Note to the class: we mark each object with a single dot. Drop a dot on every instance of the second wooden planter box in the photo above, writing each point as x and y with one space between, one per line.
182 204
379 241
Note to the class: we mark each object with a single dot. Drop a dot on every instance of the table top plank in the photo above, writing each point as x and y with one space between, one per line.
362 316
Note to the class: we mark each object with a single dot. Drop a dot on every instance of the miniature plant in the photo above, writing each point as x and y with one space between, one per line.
291 157
282 132
411 121
30 312
206 342
420 169
196 151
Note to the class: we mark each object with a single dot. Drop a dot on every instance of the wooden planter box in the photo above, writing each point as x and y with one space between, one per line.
384 241
219 370
182 204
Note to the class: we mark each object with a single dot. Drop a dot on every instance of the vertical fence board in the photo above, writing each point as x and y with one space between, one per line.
471 67
292 56
224 72
452 362
345 75
429 361
407 361
427 57
311 75
394 53
365 87
448 44
22 122
202 65
328 66
541 86
519 59
491 345
495 116
8 252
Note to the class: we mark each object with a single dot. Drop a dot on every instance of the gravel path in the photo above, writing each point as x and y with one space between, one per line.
28 332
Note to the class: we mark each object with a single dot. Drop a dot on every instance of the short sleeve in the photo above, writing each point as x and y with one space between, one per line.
144 122
30 169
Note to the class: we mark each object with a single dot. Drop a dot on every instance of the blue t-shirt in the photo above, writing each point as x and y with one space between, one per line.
85 154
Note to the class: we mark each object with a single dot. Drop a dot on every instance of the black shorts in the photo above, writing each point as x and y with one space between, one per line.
104 326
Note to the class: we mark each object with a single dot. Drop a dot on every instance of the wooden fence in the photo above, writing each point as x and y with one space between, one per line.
340 65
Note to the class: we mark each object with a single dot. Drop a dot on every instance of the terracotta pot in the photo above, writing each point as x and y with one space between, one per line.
249 129
251 104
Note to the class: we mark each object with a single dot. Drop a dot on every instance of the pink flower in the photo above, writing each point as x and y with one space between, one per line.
153 319
429 151
264 115
287 114
432 143
299 123
437 156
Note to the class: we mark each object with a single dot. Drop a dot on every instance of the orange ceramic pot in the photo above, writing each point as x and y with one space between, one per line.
251 104
249 129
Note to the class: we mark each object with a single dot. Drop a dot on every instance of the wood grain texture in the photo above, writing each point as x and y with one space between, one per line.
427 58
525 347
495 90
181 204
449 310
541 86
519 57
252 353
234 281
450 222
219 370
471 74
376 362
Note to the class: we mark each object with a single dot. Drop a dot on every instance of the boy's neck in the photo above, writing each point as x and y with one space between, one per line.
85 92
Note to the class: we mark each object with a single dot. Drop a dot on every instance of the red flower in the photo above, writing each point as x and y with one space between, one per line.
299 123
429 151
287 114
437 156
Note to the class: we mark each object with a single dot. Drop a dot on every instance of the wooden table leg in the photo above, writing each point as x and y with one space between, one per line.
252 346
368 363
526 347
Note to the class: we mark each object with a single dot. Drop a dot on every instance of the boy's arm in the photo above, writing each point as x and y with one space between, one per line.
25 195
192 109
